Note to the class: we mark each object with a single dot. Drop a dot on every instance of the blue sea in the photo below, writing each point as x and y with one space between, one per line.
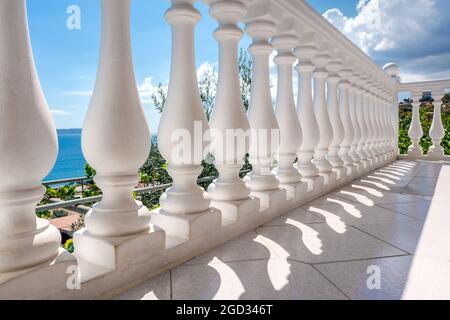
70 163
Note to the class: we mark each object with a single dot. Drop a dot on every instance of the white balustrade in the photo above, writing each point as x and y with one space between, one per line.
347 129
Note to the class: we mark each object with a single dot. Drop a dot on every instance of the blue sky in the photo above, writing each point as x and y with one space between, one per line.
67 59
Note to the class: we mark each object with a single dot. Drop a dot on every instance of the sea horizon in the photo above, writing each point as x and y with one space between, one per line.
70 162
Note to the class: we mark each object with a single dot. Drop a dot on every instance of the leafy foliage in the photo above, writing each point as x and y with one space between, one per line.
426 119
89 171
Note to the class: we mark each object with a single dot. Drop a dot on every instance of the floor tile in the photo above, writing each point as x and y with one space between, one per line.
355 213
246 247
253 280
299 215
370 196
430 238
157 288
405 277
317 243
418 210
433 170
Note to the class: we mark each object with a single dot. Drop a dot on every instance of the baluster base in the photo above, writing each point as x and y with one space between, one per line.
237 211
270 199
187 226
50 277
436 153
314 183
98 255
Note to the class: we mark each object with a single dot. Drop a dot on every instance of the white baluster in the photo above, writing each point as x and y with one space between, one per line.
116 146
229 124
320 108
28 146
185 208
307 117
346 101
363 125
382 124
354 125
437 131
374 121
415 130
290 130
393 71
265 130
366 111
335 118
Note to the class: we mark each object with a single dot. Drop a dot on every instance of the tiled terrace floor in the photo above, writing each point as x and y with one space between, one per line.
395 220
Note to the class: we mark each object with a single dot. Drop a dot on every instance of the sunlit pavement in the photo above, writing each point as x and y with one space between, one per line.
384 236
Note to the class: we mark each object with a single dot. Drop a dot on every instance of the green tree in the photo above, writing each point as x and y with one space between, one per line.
207 88
426 119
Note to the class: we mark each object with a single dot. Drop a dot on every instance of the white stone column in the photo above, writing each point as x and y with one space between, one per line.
374 120
393 71
335 117
185 207
437 131
265 137
290 131
346 106
229 124
305 111
362 125
354 125
116 146
383 126
382 123
415 130
366 110
30 256
320 108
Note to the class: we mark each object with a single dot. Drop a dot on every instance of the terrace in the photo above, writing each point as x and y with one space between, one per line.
329 205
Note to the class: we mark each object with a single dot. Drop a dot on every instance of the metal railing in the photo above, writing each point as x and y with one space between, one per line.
95 199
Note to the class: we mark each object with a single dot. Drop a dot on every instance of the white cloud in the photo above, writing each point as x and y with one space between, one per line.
86 93
147 89
204 69
407 32
60 112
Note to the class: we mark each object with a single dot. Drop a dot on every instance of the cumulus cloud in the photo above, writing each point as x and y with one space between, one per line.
412 33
